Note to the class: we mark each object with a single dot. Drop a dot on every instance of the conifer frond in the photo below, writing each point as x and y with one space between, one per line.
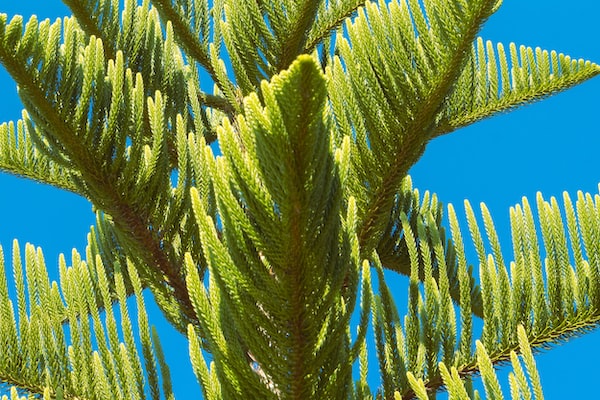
251 45
100 19
286 267
546 296
519 385
191 21
490 83
393 250
137 33
263 37
332 14
197 31
106 243
19 156
94 358
549 288
399 63
86 113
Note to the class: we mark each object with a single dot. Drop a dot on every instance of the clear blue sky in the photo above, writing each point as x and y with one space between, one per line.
549 146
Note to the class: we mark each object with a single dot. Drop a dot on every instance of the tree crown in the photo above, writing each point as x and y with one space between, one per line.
261 213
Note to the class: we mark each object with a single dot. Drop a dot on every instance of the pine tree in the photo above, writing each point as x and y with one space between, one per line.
267 214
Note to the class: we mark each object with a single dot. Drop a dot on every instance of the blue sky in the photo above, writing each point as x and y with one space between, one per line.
550 146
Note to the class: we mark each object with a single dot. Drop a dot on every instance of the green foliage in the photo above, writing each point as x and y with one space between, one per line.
256 213
284 262
96 357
